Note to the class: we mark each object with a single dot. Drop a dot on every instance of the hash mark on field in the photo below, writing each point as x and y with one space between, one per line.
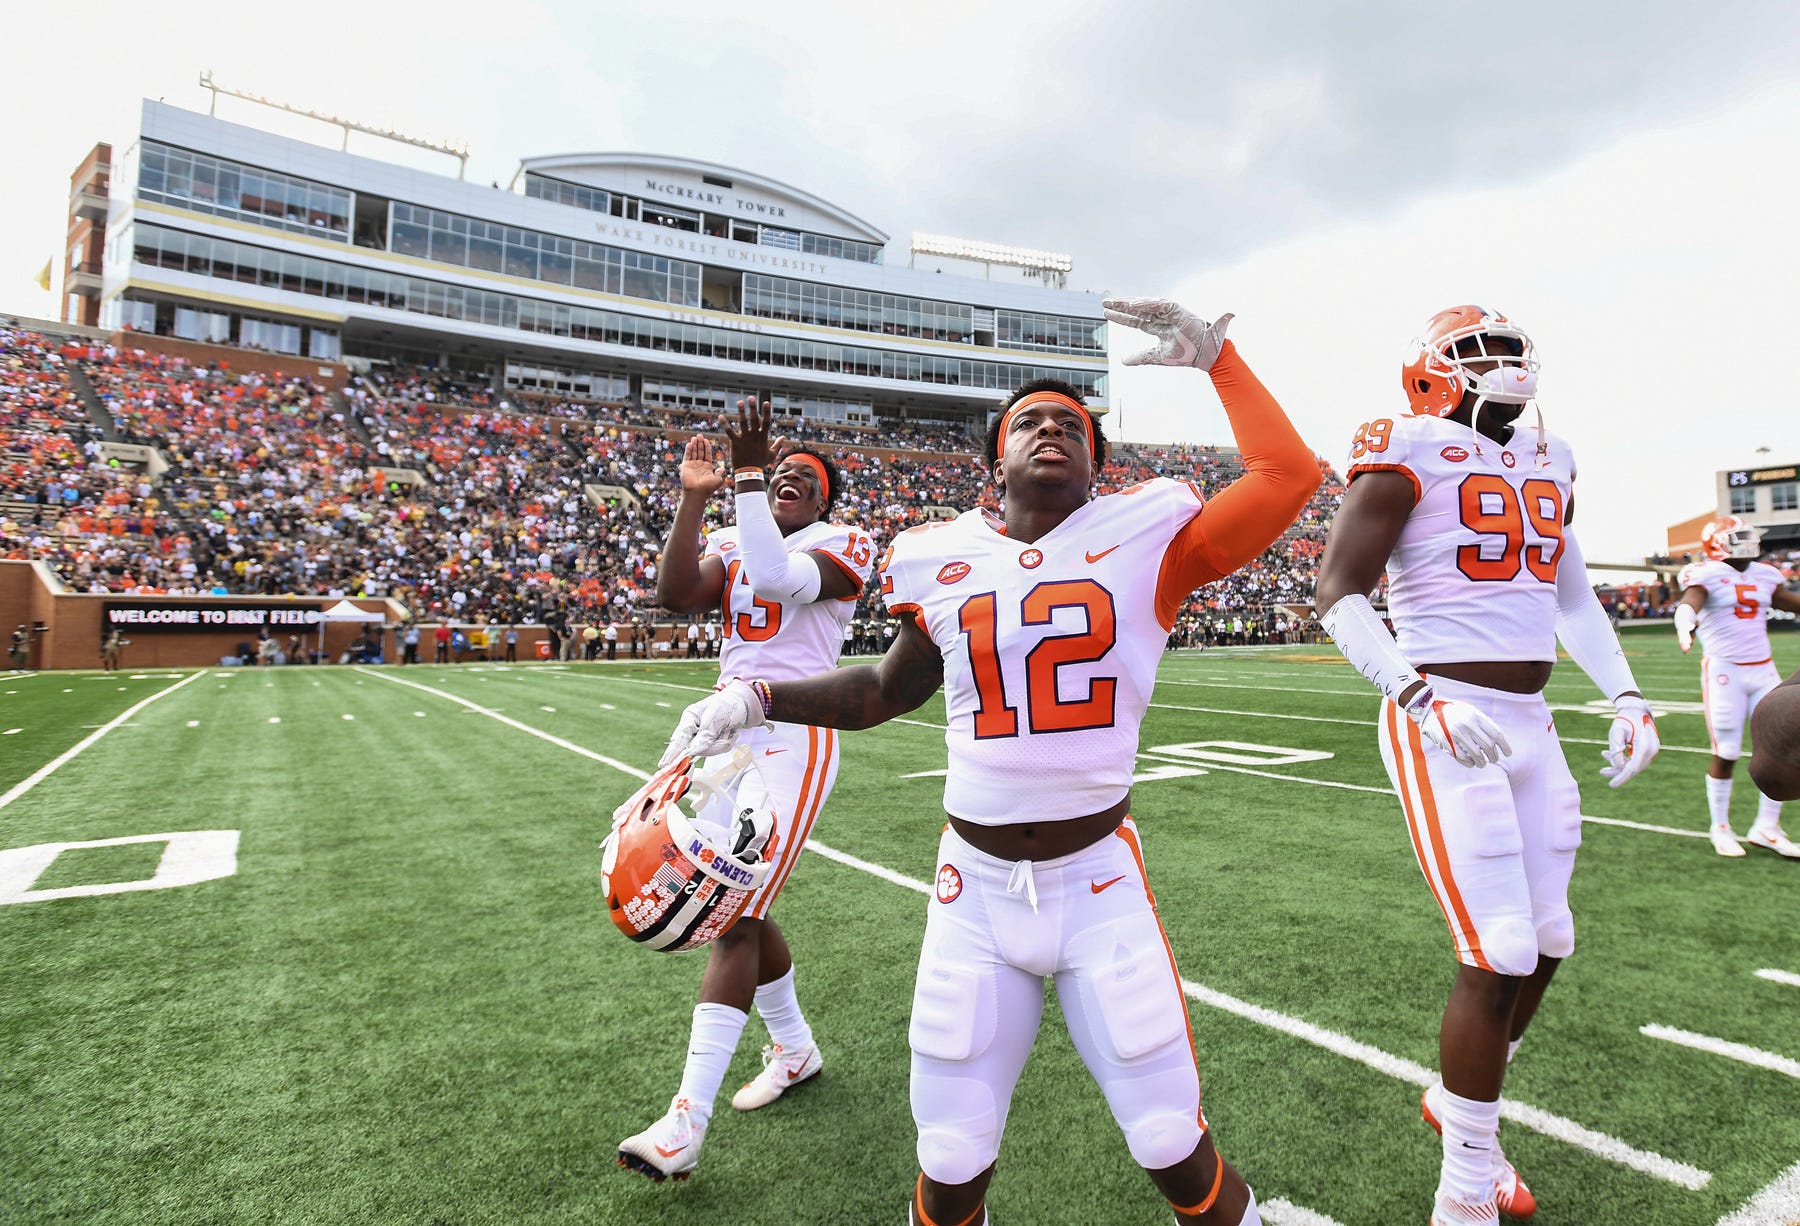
1776 1205
1787 977
347 715
193 723
607 706
1741 1052
420 714
552 710
11 731
662 704
274 719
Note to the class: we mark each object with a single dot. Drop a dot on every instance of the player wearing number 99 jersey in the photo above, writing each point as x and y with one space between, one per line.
1046 624
1469 515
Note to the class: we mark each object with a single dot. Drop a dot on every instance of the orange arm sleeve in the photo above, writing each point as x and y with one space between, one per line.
1251 513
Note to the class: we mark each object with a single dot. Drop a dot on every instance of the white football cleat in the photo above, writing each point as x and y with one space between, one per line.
1772 839
1725 843
782 1070
1449 1212
1511 1196
669 1148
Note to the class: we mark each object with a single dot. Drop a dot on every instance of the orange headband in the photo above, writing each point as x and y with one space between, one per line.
812 462
1056 398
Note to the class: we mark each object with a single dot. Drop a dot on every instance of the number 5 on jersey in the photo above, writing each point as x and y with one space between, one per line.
1045 708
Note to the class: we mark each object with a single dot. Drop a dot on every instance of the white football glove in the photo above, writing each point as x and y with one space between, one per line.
713 723
1458 728
1183 338
1631 742
1684 626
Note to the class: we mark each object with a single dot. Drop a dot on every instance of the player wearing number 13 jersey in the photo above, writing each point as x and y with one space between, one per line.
1469 514
1045 625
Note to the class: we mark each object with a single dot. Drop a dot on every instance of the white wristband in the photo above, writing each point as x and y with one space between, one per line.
1355 627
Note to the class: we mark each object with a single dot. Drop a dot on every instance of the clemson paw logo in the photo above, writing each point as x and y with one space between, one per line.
1031 558
949 883
952 572
1507 458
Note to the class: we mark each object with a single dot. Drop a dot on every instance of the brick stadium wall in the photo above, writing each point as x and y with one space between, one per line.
329 374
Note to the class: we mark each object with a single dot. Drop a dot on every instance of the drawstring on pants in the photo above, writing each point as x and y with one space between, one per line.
1020 883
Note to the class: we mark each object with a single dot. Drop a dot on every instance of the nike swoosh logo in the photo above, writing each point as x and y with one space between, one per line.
768 753
1095 557
1097 886
670 1153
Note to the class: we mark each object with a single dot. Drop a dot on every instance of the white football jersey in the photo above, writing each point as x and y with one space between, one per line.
1473 576
1050 649
775 639
1734 621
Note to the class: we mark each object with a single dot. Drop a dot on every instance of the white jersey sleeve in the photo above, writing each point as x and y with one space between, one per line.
782 640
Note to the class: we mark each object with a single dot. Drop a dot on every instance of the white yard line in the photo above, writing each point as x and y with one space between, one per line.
1567 1131
49 768
1776 1205
1787 977
1743 1053
1279 1212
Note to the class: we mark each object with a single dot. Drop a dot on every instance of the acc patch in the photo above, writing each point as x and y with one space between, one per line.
949 883
1456 455
727 546
952 572
1031 558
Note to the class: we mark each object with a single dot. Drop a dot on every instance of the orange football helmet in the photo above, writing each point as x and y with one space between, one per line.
1435 377
1730 537
672 880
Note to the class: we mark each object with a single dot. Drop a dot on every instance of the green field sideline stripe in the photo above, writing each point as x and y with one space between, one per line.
1741 1052
49 768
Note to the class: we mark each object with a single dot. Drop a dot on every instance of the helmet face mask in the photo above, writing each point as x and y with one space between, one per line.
675 879
1730 537
1469 349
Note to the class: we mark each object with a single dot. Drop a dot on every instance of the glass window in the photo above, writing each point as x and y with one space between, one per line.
1784 497
1743 500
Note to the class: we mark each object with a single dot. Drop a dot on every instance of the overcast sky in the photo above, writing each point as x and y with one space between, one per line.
1617 179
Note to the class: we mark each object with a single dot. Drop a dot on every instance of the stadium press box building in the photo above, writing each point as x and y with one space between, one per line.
623 278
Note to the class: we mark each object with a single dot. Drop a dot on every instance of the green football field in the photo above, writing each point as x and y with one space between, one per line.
395 997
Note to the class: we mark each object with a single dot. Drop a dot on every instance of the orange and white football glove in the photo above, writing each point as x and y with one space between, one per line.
1183 338
1632 742
712 724
1685 617
1460 729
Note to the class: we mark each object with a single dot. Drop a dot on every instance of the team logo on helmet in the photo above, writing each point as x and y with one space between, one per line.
1031 558
675 880
952 572
1730 537
949 883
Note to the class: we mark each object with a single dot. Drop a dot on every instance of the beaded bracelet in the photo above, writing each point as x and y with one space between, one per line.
760 688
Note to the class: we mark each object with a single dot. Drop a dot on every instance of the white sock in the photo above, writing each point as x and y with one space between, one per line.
779 1009
1251 1216
1768 814
1718 800
1471 1132
1512 1049
710 1045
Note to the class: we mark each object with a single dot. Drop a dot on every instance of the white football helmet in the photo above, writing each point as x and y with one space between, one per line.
676 880
1730 537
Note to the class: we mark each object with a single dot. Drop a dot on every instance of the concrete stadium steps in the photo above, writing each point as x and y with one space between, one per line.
90 400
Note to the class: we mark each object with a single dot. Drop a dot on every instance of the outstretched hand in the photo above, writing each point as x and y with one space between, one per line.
699 472
750 445
1183 338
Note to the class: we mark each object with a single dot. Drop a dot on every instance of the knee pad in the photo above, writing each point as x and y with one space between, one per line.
1728 747
1556 935
1162 1139
959 1125
1511 946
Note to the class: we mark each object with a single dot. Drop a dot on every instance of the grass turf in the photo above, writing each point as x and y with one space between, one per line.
407 1005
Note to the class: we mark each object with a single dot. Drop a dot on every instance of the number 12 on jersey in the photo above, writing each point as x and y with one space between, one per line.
1046 710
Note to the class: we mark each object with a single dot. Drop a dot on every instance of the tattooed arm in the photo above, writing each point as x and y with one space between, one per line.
868 694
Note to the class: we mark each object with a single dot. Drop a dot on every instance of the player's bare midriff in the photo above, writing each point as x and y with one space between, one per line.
1043 840
1513 676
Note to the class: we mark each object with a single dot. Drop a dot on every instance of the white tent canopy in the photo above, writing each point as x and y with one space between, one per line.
344 611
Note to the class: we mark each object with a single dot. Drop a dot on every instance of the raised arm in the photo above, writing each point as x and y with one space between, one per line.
772 572
686 583
849 698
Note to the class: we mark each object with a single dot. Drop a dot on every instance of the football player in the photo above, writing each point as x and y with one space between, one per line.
1046 624
1469 515
1775 742
1727 598
786 579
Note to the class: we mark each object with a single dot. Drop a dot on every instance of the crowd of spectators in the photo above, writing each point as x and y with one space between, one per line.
464 505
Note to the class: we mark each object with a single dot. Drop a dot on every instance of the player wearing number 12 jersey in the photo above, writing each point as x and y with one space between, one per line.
1727 597
1469 515
787 579
1045 625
